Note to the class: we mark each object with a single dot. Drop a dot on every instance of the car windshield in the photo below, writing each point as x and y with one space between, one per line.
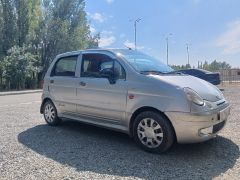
144 63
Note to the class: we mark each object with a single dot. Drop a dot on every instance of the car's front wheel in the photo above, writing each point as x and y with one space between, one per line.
50 114
153 132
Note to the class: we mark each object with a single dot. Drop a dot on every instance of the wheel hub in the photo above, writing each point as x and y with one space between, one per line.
149 132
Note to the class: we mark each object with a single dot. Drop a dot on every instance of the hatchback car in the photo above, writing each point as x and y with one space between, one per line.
134 93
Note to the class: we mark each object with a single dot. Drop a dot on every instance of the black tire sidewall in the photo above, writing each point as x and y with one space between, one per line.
168 135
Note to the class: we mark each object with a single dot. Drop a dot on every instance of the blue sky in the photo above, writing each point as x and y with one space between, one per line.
211 27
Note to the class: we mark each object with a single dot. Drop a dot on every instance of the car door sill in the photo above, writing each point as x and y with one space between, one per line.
96 122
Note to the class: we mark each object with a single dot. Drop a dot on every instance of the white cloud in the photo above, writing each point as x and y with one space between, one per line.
106 39
92 29
97 17
109 1
230 40
131 45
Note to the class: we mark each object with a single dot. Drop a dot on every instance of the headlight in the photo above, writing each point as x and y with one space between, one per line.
221 96
193 96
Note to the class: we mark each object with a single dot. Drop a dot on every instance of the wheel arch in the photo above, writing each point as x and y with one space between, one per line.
143 109
43 102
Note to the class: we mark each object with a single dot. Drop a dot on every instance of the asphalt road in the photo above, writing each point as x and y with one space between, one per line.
29 149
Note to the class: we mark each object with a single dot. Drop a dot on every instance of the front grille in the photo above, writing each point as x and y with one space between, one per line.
218 127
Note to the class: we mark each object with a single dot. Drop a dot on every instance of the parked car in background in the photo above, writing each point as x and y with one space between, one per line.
212 77
132 92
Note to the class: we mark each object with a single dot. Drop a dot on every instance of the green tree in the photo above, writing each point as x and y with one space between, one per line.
22 20
65 28
1 73
1 44
9 25
215 65
181 67
19 66
35 20
46 28
224 65
1 29
205 65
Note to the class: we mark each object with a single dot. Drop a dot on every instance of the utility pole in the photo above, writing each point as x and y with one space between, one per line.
167 45
188 61
135 32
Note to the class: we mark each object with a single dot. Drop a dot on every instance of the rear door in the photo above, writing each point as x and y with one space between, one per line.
96 96
62 84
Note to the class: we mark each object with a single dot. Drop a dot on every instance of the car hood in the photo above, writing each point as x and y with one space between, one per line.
206 90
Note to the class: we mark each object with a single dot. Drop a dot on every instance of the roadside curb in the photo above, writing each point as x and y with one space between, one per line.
19 92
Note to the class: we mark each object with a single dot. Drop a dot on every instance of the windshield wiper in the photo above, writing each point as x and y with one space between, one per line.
152 72
160 72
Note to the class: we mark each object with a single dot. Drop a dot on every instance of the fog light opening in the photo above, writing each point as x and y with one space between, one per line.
206 131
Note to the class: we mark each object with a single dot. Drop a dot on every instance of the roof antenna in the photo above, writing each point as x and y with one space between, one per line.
129 48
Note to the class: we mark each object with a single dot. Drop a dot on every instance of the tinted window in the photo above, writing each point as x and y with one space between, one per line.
65 66
93 64
197 72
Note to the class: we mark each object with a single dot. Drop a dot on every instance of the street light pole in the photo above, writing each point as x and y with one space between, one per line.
188 54
167 45
135 32
167 49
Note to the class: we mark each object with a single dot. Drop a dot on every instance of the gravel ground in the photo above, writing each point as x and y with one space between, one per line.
29 149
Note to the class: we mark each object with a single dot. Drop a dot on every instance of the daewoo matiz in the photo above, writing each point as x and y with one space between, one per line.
134 93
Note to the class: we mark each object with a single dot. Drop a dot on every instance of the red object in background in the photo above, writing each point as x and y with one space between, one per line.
131 96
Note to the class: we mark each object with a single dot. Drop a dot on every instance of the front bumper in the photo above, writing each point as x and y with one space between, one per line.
192 128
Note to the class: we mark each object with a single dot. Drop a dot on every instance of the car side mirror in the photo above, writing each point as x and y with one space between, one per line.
109 74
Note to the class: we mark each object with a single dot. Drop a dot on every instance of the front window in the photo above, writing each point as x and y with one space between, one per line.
144 63
95 63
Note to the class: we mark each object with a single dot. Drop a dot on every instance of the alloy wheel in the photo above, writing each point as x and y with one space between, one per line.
49 113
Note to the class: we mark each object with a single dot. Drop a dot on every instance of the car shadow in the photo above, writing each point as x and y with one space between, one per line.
88 148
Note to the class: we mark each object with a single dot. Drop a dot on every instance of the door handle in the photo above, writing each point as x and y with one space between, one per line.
82 83
51 81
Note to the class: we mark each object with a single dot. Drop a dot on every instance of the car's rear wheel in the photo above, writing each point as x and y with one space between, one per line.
50 114
153 132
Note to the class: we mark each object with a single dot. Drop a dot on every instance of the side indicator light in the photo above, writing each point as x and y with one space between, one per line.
131 96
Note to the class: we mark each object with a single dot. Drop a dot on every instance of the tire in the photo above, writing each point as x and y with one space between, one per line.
50 114
153 132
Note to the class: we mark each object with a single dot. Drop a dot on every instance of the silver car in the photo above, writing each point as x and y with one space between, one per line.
134 93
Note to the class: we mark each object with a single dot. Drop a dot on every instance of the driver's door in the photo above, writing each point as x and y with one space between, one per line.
96 97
